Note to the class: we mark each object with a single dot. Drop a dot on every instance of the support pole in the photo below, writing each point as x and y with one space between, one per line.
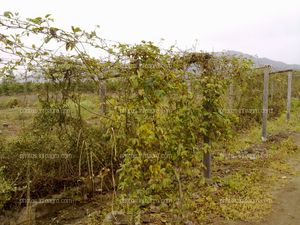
187 77
289 94
102 93
265 103
207 160
231 96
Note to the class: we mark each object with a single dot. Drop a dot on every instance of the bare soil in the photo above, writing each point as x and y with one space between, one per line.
286 208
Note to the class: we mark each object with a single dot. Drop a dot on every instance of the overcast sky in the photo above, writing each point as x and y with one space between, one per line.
266 28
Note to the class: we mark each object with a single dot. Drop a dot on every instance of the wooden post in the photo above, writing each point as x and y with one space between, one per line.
26 89
265 103
207 160
187 77
289 94
102 93
231 95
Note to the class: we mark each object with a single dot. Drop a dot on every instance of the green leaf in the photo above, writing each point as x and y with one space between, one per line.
70 45
8 14
47 39
76 29
37 20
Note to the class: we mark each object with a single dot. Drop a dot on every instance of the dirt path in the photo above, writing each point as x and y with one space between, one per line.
286 210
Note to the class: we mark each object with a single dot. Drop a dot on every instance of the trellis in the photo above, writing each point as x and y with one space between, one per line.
267 74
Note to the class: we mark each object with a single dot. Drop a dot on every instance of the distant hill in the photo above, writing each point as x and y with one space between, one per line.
277 65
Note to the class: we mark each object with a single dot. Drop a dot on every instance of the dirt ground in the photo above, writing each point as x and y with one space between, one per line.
286 208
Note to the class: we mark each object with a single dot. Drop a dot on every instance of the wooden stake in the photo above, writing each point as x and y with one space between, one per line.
102 93
265 103
289 94
207 160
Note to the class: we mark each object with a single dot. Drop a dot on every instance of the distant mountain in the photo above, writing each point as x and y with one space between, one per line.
277 65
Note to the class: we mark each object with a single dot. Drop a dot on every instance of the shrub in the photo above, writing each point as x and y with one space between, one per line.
6 188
